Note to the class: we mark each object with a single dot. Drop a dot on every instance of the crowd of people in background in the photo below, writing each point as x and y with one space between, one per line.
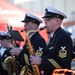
57 53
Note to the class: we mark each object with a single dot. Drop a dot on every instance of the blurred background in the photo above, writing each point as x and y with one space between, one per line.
13 11
38 6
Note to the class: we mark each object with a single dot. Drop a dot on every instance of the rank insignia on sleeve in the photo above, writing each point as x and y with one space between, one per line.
39 52
62 52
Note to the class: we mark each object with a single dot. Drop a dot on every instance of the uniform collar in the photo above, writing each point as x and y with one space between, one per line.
32 35
9 48
51 34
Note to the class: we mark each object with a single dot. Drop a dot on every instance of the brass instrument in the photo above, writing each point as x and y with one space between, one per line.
11 65
35 68
26 71
10 61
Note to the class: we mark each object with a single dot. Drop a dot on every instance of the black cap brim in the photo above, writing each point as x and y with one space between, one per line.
25 20
47 16
22 21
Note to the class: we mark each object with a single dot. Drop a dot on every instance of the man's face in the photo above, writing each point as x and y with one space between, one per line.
5 43
29 26
50 24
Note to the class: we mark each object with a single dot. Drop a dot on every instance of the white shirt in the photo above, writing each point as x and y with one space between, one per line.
50 36
32 35
2 50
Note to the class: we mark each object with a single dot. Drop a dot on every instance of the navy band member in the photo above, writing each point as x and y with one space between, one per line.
31 22
59 51
6 43
1 52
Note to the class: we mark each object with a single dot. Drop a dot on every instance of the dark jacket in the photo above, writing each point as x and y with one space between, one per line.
5 55
73 53
58 53
39 46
